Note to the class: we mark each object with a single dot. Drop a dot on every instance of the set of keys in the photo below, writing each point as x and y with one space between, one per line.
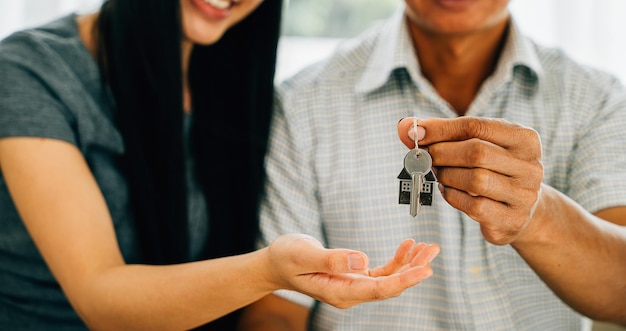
416 179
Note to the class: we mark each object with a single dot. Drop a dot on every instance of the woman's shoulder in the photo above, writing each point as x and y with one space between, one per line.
51 51
51 56
48 79
53 36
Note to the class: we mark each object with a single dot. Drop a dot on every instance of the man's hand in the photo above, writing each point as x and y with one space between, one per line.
488 168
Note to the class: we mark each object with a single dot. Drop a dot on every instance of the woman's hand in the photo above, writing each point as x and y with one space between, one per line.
489 169
340 277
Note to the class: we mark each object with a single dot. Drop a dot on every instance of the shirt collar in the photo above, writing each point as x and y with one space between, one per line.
518 51
394 50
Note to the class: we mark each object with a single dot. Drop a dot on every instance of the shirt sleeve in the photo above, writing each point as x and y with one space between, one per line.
598 167
28 103
290 204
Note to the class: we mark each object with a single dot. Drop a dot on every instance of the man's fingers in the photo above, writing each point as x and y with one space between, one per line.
502 232
494 130
404 125
510 190
497 131
476 153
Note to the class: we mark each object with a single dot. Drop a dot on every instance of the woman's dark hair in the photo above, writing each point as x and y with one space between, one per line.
231 81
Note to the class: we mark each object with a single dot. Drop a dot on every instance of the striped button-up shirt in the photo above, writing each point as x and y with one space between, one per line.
335 156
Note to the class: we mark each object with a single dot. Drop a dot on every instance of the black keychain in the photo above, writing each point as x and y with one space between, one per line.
417 179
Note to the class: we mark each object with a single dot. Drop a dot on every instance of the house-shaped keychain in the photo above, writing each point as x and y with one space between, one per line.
426 194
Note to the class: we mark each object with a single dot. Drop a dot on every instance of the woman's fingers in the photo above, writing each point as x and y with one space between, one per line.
405 253
309 256
347 290
419 254
426 255
340 276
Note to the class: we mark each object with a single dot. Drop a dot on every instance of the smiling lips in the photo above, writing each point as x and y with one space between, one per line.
222 4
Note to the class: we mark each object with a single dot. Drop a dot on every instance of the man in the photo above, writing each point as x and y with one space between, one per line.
527 147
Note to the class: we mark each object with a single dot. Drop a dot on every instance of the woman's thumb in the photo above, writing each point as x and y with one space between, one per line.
341 261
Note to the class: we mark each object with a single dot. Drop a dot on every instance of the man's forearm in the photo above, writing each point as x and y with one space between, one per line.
581 257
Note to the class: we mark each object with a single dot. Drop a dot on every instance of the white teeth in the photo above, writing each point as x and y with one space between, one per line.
220 4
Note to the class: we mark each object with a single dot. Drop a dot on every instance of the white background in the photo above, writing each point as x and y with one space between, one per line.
591 31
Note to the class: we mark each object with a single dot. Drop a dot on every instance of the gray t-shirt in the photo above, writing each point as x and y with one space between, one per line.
50 86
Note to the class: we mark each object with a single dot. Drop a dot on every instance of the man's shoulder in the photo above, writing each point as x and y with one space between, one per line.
562 69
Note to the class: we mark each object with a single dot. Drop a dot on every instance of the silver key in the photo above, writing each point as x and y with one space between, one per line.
417 163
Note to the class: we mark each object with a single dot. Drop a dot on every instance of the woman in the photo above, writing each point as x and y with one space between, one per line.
131 145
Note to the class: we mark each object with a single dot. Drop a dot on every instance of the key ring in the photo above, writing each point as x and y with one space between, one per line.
417 151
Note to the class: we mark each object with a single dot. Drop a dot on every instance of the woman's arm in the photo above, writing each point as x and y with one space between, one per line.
67 217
